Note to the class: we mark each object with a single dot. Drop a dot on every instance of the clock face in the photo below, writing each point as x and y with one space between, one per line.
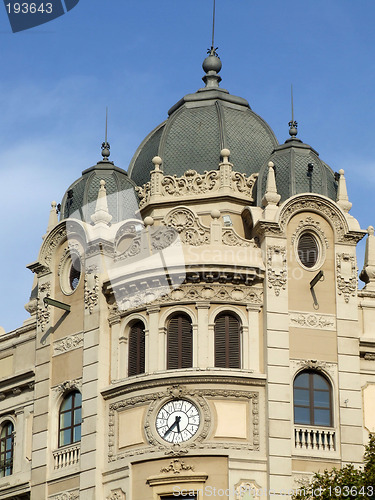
177 421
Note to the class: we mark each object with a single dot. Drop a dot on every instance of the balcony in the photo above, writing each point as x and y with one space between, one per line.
314 439
66 456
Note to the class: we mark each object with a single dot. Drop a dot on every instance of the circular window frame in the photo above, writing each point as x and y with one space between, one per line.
320 246
65 272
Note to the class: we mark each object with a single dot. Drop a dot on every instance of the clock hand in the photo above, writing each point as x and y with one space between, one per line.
176 422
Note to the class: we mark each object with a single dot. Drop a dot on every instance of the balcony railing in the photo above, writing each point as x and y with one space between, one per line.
307 438
67 456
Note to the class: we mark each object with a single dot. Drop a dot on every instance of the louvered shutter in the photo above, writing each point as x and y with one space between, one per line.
136 363
180 342
227 342
308 250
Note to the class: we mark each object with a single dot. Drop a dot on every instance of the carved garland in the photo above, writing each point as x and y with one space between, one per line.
190 183
43 313
310 224
91 295
276 268
67 495
311 320
68 385
346 279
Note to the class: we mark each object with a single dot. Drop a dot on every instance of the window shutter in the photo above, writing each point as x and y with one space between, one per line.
227 342
308 250
136 362
180 343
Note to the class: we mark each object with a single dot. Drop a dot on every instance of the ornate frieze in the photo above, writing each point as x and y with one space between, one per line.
66 495
190 183
68 343
312 320
346 272
276 268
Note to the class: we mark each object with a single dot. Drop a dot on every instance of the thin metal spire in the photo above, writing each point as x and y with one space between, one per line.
213 25
292 124
105 145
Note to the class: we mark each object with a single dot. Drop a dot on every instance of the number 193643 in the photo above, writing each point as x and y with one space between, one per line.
29 8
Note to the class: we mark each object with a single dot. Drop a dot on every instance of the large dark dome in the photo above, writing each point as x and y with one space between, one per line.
199 126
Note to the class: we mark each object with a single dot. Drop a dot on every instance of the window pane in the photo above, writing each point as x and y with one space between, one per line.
67 403
302 380
321 398
77 416
320 382
301 397
77 434
65 437
65 420
77 399
322 417
301 415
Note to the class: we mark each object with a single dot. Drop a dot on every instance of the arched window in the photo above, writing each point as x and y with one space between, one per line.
179 342
6 449
227 341
312 399
136 361
70 419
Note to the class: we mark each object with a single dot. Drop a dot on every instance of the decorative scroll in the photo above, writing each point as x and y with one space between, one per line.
190 183
187 224
244 184
276 268
68 344
346 271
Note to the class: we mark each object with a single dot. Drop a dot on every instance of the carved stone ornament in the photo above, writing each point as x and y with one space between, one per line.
346 271
310 224
176 467
67 495
190 183
71 249
247 489
117 494
188 225
52 241
144 193
312 364
69 385
312 320
91 296
43 312
68 344
244 184
276 268
323 207
231 238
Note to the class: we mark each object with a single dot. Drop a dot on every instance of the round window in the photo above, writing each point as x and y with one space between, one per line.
308 250
70 273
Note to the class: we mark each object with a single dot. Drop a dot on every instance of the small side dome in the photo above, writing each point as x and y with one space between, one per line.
298 169
79 201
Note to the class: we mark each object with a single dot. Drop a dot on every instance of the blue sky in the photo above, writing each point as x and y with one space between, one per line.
139 58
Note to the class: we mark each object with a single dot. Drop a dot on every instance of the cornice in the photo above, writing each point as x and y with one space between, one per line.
167 379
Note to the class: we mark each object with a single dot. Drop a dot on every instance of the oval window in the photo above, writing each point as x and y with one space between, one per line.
308 250
74 273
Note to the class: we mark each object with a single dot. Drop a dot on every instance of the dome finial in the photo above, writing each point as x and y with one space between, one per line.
212 64
105 145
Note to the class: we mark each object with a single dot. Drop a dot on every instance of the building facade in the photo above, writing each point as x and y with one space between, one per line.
196 325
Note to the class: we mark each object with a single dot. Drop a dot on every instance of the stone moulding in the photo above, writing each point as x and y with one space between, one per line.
311 320
310 224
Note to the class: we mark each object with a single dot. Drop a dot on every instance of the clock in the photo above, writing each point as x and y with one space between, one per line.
177 421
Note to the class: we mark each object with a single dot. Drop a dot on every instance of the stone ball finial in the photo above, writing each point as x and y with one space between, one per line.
370 230
53 204
341 171
271 164
215 213
149 221
212 63
102 183
157 161
225 153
